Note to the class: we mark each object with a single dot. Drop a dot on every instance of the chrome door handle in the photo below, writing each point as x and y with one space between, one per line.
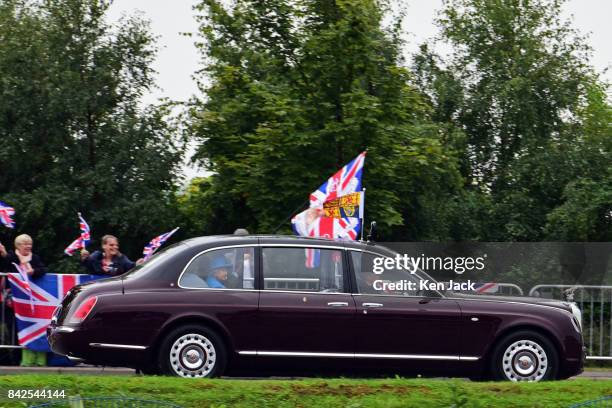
372 305
337 304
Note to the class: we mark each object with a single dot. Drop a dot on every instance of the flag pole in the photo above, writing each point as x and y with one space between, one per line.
83 246
362 211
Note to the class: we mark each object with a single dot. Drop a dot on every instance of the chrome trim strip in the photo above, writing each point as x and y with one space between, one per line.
407 356
303 246
118 346
267 291
357 355
303 354
224 289
398 296
514 303
272 291
64 329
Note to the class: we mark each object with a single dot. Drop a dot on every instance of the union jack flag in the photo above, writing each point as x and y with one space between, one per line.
75 245
25 279
35 301
85 232
6 215
313 258
346 181
155 243
488 287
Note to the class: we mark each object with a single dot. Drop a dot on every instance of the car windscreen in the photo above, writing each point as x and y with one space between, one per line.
156 260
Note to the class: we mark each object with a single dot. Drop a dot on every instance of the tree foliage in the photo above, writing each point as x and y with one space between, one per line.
296 89
74 137
519 85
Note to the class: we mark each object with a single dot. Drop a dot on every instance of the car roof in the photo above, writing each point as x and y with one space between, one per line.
280 239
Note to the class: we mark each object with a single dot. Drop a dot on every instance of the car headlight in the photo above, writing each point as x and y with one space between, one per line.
576 317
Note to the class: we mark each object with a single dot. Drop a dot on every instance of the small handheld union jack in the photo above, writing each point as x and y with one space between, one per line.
6 215
82 241
155 243
75 245
85 234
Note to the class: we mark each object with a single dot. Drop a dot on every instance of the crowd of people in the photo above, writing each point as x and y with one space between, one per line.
106 261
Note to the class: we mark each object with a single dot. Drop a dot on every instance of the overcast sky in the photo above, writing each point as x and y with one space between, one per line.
178 59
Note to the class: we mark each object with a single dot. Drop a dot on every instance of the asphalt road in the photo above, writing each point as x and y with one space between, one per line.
91 370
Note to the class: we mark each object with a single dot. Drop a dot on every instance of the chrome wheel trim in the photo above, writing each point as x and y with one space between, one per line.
524 360
192 356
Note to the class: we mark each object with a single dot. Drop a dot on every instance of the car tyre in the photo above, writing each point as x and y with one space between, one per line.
193 351
525 356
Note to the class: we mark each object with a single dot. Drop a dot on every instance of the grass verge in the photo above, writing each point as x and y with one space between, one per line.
353 393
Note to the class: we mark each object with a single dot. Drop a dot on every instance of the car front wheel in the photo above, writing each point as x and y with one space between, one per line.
193 352
525 356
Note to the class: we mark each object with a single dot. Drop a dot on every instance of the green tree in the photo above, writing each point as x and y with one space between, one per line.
518 84
586 211
74 136
296 89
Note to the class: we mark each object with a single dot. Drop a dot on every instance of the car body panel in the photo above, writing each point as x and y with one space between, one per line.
306 322
408 325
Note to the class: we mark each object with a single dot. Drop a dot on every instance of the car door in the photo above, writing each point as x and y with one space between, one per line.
401 322
218 284
304 307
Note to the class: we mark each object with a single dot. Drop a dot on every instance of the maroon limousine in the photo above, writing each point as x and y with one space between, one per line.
206 305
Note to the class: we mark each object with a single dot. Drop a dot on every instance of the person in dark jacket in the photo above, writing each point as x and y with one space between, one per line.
23 256
109 261
35 268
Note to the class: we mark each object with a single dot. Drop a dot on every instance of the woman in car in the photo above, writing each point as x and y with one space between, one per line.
219 272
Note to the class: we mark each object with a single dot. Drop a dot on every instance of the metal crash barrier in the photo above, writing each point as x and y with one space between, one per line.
8 330
499 289
595 302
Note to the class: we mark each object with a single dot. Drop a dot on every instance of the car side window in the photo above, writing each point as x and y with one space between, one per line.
399 282
228 268
303 269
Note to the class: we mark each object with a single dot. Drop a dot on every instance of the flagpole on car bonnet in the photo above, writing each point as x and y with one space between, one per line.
362 210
